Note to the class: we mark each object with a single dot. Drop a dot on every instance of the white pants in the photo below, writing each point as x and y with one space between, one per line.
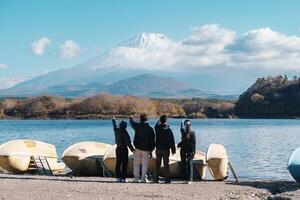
140 158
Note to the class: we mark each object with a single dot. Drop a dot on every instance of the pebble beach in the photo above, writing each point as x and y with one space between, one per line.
86 188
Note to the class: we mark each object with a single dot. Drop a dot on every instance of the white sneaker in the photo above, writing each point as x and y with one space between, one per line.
188 182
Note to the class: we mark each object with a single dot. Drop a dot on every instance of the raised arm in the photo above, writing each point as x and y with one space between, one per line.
182 131
132 122
114 122
182 128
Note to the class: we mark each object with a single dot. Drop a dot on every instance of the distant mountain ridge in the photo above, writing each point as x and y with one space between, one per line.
152 86
113 72
146 85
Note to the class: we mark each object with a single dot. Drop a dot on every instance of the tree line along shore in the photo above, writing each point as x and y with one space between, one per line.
105 105
270 97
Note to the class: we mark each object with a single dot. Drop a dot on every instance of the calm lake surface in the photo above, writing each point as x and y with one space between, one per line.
258 149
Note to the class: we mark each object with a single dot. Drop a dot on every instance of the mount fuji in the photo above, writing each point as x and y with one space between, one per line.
121 70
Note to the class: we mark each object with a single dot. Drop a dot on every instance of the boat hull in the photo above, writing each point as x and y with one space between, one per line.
15 155
174 163
294 165
85 158
217 161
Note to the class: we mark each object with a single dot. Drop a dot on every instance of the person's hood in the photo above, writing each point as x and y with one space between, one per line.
123 125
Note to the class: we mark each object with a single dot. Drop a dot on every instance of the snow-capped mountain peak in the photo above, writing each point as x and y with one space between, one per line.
146 40
120 62
130 53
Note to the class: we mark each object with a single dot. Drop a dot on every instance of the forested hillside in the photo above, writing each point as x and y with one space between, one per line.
271 97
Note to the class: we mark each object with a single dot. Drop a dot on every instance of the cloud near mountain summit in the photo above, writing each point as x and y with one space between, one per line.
209 53
211 47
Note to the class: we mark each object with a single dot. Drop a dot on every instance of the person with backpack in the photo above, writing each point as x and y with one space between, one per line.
164 142
122 140
187 149
144 145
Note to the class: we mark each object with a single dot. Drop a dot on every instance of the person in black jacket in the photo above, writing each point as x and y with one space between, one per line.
164 141
122 141
187 149
144 145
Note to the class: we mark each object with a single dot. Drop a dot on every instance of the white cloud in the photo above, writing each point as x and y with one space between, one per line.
211 36
265 49
157 52
38 46
12 81
210 48
8 82
2 66
266 39
69 49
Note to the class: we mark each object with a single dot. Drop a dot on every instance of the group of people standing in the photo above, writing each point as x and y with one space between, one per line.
146 139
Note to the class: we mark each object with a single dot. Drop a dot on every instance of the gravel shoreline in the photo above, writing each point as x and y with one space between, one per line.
84 188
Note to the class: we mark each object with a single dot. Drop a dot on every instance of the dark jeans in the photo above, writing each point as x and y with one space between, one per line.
186 158
122 161
162 154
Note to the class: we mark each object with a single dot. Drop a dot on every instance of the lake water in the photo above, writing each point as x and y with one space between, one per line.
258 149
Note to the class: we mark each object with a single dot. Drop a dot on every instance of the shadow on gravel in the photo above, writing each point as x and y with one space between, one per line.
53 178
71 179
274 187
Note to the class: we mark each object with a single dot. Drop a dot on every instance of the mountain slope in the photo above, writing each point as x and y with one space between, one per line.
151 86
117 71
146 85
111 66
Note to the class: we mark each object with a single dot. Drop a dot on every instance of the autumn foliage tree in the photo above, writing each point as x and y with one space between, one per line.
107 104
104 105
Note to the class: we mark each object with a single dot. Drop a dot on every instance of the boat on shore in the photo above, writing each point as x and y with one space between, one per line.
85 158
217 161
175 168
294 164
15 155
174 163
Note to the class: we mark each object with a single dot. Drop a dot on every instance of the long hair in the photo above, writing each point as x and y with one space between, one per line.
188 128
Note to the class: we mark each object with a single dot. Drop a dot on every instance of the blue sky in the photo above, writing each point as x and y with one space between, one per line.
95 26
